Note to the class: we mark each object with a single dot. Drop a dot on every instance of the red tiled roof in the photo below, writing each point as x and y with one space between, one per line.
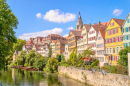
119 21
87 27
102 31
54 41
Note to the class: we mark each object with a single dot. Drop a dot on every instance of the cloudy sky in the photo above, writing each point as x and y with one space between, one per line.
43 17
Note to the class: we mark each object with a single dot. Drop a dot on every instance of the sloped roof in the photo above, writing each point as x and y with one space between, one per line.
119 21
54 41
62 41
105 23
102 31
87 26
76 33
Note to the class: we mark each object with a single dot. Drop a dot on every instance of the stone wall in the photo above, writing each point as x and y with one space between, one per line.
97 78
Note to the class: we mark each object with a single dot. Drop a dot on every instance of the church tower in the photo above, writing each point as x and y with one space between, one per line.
79 23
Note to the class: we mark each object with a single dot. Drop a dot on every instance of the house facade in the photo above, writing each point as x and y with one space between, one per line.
113 41
126 31
100 46
53 43
82 43
60 47
66 53
72 40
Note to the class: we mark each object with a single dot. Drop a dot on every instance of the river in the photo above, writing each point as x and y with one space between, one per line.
17 77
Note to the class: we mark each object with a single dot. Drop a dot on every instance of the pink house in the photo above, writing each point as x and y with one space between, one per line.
100 46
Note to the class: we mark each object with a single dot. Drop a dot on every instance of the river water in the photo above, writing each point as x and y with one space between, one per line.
16 77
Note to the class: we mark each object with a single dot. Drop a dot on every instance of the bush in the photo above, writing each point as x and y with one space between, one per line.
112 69
95 63
122 69
96 67
13 64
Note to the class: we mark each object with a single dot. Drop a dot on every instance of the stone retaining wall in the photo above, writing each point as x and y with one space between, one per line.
97 78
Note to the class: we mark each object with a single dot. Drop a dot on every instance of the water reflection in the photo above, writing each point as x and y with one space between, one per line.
15 77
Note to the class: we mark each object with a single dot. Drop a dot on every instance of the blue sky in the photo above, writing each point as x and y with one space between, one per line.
43 17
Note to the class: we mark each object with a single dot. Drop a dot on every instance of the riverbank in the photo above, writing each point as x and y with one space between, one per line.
25 68
95 79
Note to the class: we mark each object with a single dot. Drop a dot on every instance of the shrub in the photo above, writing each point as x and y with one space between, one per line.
96 67
122 69
88 67
95 63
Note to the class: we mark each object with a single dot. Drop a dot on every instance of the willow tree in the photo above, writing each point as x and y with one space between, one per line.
8 22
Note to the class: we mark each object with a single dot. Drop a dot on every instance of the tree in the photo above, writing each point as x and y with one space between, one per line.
22 58
123 60
52 64
88 52
39 63
50 52
8 22
30 58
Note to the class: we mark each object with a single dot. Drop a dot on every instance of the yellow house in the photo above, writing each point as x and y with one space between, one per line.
72 40
15 55
53 43
113 41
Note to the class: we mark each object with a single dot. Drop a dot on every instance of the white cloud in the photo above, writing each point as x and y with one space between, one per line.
38 15
27 36
117 12
65 35
70 28
59 17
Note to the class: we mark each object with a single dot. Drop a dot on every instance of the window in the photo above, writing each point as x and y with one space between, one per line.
109 40
112 40
111 31
125 37
112 58
116 39
117 49
107 50
121 48
113 50
117 58
128 28
110 50
112 23
127 20
120 39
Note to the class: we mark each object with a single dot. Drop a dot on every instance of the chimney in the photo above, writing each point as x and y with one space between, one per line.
99 23
90 24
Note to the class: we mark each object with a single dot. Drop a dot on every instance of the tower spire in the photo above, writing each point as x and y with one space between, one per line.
79 15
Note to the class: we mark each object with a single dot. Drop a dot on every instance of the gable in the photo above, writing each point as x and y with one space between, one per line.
114 26
126 24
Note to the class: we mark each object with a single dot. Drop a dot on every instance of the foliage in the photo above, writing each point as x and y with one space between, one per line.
50 52
96 67
22 58
95 63
124 56
52 65
121 69
8 22
88 52
30 58
60 57
88 67
39 63
80 56
73 57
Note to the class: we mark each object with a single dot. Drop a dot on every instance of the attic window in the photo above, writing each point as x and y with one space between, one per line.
112 24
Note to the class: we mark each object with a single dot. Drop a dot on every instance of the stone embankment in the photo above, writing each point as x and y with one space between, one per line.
96 78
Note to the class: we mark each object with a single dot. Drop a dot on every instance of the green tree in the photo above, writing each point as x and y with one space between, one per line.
8 22
30 58
22 58
50 52
88 52
123 60
80 56
52 65
39 63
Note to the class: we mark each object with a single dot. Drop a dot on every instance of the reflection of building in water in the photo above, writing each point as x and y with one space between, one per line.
13 75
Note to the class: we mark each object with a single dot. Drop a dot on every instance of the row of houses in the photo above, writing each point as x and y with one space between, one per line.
106 40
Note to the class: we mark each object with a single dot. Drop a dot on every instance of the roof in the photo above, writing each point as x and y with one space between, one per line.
54 41
119 21
105 23
87 26
62 41
102 31
76 33
66 37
